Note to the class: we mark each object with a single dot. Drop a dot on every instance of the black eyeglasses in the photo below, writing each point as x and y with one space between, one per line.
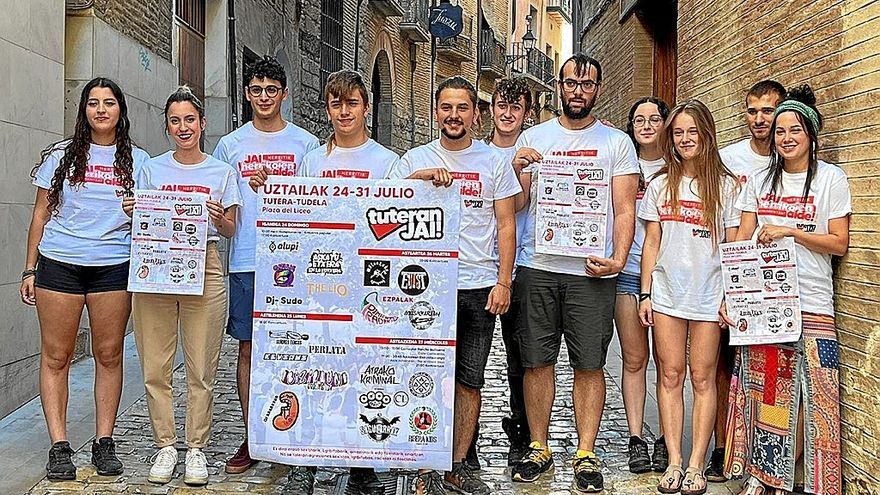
654 120
570 85
256 91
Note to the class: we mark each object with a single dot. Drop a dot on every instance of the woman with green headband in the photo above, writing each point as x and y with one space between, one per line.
778 388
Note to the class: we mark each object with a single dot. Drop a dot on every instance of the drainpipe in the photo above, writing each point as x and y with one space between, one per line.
412 93
232 85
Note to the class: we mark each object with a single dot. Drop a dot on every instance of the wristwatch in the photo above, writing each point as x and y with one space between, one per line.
644 295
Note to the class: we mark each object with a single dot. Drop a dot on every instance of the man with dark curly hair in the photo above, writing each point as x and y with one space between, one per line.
270 143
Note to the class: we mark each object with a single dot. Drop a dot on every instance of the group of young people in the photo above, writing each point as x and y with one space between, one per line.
673 198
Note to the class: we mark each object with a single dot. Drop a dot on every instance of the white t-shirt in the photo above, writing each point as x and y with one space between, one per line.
521 215
211 176
370 160
246 149
90 228
607 144
483 176
634 260
742 160
829 198
686 281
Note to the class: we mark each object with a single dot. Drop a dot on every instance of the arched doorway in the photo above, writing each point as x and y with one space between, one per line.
382 95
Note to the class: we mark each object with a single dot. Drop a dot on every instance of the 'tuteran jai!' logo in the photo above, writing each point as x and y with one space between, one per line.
414 224
284 274
776 256
379 428
413 280
188 209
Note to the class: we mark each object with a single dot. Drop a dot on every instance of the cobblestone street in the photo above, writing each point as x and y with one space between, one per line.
135 447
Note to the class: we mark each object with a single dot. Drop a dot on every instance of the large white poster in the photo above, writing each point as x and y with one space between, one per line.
354 323
168 242
572 207
761 291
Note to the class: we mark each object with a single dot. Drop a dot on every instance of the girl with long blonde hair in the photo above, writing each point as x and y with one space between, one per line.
688 210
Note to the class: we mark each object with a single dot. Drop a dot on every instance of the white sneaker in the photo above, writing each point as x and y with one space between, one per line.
196 468
163 465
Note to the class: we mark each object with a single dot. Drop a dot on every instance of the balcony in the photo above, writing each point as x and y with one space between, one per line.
456 49
559 10
535 66
492 54
414 24
388 8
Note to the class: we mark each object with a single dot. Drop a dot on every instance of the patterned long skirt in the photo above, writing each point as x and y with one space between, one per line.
770 384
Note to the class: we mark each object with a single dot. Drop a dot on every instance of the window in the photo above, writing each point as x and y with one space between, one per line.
331 38
192 13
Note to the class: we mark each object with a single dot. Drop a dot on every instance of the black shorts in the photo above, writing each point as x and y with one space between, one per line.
473 337
554 305
79 279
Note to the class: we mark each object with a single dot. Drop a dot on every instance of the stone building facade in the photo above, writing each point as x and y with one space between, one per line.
717 50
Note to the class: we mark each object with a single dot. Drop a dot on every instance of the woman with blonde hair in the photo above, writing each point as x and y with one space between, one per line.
688 210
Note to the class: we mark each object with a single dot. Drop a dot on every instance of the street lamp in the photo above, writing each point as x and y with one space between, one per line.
529 40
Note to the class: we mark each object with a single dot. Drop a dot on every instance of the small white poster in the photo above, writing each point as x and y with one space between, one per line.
168 243
572 206
761 291
353 357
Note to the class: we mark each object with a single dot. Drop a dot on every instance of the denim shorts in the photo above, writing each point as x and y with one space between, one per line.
64 277
474 332
241 306
629 284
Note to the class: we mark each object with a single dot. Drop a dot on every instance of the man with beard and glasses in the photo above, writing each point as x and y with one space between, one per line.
743 158
567 296
488 188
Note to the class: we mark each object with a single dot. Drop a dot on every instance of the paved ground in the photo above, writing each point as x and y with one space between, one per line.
135 446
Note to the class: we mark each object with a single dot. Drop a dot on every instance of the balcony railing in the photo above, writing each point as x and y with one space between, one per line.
533 63
414 23
388 8
561 9
492 53
457 48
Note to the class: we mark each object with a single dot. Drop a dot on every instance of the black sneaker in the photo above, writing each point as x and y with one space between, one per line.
660 458
363 481
60 466
104 457
537 461
715 471
587 473
518 435
300 481
639 460
465 480
430 483
471 458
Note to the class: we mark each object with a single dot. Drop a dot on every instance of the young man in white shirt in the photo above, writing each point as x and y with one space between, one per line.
743 158
572 296
270 142
488 189
511 106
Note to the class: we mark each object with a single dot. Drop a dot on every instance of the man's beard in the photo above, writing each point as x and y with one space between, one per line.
454 137
578 114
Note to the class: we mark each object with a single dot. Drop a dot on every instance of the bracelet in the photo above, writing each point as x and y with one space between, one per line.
504 285
31 272
644 295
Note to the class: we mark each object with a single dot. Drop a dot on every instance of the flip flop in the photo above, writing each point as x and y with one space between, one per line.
691 475
672 478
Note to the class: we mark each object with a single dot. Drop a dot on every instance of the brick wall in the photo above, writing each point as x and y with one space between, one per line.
626 66
147 21
727 45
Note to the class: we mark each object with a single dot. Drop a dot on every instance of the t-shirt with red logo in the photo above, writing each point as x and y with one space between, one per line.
212 177
610 148
829 198
483 176
247 149
634 260
90 228
370 160
686 281
742 160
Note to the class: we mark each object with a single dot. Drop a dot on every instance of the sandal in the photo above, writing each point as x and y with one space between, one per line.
754 487
671 479
690 485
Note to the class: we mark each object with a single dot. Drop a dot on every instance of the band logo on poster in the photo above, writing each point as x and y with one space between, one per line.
379 428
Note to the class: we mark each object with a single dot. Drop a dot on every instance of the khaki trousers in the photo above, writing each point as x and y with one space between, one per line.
200 322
